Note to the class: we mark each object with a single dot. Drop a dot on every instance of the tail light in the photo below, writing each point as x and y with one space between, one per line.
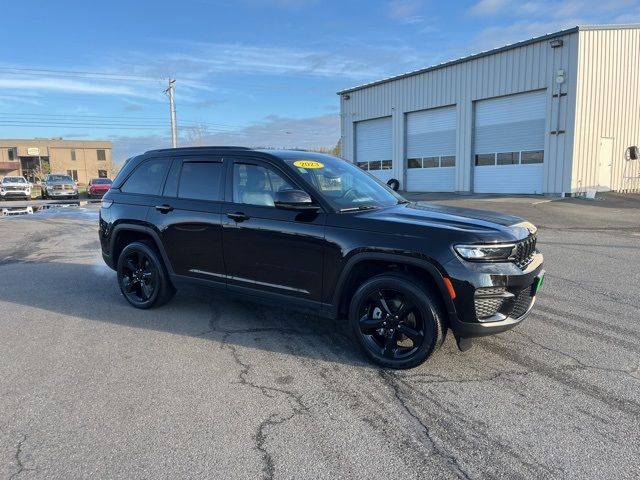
106 203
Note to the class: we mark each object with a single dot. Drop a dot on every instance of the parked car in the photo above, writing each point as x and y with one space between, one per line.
98 187
15 187
57 185
316 232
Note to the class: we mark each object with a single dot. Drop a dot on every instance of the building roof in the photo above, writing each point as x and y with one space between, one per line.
493 51
54 142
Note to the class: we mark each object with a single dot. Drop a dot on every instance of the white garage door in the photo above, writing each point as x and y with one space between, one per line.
431 150
509 144
373 147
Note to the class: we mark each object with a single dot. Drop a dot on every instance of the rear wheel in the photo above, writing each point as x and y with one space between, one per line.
397 320
142 277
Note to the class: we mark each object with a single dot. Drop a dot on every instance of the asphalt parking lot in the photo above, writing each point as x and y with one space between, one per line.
209 387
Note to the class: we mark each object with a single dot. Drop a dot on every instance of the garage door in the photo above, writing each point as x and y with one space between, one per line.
509 144
431 150
373 147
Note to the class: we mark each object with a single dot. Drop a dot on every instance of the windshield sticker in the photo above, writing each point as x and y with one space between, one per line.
308 164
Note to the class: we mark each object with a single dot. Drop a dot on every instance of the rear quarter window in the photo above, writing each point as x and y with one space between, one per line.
147 178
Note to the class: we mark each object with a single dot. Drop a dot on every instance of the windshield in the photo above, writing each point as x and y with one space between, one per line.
14 180
59 178
343 184
100 181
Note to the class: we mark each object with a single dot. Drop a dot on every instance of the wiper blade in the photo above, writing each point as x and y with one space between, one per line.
360 208
400 202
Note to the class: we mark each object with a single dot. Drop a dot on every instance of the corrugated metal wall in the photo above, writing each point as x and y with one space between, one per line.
608 105
521 69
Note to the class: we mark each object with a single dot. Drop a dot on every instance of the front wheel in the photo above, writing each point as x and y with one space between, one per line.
142 277
397 320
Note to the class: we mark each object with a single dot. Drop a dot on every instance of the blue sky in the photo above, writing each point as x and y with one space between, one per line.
249 72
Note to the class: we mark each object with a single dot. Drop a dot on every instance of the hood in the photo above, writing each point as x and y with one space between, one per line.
60 182
15 184
474 225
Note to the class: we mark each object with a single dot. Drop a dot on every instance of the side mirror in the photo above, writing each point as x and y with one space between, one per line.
294 200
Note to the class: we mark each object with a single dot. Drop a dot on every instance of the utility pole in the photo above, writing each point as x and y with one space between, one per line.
172 110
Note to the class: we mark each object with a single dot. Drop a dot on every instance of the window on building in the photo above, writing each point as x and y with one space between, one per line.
73 154
484 159
536 156
430 162
12 154
448 161
147 178
508 158
201 181
376 165
73 174
414 163
102 155
102 174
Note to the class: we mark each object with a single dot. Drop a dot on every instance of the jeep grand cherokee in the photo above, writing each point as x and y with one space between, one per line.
316 232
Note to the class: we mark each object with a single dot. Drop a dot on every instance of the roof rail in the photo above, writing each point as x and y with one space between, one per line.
207 147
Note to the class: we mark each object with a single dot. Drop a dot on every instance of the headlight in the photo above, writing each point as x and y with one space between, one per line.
485 253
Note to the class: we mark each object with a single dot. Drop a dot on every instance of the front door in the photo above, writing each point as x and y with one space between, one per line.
188 217
266 248
605 164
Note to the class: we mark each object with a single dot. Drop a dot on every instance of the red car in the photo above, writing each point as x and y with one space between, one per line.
98 187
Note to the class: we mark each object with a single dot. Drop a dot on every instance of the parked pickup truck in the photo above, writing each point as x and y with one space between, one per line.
57 185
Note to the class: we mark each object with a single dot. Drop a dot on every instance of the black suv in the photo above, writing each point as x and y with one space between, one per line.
319 233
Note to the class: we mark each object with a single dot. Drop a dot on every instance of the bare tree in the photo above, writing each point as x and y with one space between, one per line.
197 134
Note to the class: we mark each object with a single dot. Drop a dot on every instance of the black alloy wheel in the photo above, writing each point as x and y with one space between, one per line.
397 320
142 277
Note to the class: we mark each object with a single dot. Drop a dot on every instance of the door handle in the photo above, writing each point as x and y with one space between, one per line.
164 208
238 216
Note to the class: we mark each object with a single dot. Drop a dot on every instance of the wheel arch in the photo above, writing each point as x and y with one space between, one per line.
125 234
364 265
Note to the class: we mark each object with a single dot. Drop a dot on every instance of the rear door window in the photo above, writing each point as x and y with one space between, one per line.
201 181
147 178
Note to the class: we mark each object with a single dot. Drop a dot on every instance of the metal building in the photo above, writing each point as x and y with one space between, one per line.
555 114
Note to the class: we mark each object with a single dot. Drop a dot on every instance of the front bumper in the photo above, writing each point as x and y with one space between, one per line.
61 193
16 194
510 295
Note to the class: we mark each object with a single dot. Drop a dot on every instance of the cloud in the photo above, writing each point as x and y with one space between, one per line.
532 19
133 107
488 7
62 85
272 132
403 9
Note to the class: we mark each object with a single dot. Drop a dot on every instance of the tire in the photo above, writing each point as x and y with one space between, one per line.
394 184
393 342
142 276
44 195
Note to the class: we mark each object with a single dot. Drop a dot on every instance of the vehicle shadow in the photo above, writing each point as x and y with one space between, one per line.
90 292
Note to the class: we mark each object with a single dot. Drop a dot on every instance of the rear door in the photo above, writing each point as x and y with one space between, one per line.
266 248
188 217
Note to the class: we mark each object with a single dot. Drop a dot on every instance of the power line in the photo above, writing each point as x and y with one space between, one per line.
54 116
78 73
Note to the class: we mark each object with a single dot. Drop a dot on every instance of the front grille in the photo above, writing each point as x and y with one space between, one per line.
521 303
500 301
487 307
525 249
11 187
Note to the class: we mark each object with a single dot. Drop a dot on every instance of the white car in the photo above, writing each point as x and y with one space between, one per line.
15 187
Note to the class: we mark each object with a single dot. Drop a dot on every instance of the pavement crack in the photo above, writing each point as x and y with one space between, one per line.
390 379
18 459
